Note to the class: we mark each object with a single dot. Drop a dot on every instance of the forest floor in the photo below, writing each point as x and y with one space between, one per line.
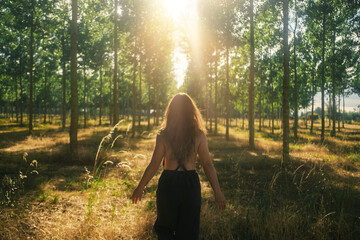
317 196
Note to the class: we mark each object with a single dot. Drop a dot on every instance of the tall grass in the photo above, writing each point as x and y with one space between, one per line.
110 138
316 197
12 186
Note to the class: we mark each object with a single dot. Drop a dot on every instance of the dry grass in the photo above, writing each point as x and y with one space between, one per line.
316 197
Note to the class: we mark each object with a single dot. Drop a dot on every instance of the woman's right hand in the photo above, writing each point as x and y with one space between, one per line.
220 201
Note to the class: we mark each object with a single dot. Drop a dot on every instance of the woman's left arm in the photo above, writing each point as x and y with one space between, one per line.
151 169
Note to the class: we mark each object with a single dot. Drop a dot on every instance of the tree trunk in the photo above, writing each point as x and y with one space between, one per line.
111 108
31 80
115 93
63 104
227 93
323 81
295 83
101 97
330 109
210 102
36 103
154 104
128 103
149 96
216 94
206 105
16 100
11 103
157 104
338 115
243 113
260 98
312 109
85 90
333 132
273 117
272 99
21 90
140 97
285 100
252 79
74 84
343 115
45 94
134 92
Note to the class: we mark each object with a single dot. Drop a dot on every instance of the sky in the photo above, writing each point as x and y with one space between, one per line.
352 102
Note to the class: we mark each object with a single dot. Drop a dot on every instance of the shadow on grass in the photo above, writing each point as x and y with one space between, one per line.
305 200
55 162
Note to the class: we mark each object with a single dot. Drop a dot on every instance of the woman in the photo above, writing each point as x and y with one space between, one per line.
178 195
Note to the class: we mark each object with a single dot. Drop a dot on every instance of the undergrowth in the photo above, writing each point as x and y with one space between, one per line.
317 196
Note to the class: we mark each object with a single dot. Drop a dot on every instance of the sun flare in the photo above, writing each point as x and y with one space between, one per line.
176 8
184 14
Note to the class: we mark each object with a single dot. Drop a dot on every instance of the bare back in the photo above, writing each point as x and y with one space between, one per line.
171 163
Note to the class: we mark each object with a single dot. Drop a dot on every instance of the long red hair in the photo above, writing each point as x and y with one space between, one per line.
182 123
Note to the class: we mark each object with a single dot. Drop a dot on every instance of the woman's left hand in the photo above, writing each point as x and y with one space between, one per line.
136 196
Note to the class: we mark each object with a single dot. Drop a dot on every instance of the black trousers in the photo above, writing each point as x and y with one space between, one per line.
178 201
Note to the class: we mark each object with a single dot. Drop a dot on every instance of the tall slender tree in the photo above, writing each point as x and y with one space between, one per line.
216 92
101 95
296 114
286 85
333 132
63 102
84 93
134 89
227 92
322 139
31 73
140 96
115 88
74 84
252 79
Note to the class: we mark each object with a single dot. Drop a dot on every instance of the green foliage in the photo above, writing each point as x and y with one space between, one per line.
354 157
44 196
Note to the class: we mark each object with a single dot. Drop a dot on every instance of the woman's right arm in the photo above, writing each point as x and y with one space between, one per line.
210 172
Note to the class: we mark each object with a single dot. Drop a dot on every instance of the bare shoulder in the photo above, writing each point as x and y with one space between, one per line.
159 137
201 136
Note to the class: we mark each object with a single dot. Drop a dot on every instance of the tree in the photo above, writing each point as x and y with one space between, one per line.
296 114
31 73
286 83
74 84
324 16
115 87
134 89
216 92
252 79
63 103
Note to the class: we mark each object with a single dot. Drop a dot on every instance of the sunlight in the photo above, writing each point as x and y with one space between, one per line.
180 64
184 15
175 8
